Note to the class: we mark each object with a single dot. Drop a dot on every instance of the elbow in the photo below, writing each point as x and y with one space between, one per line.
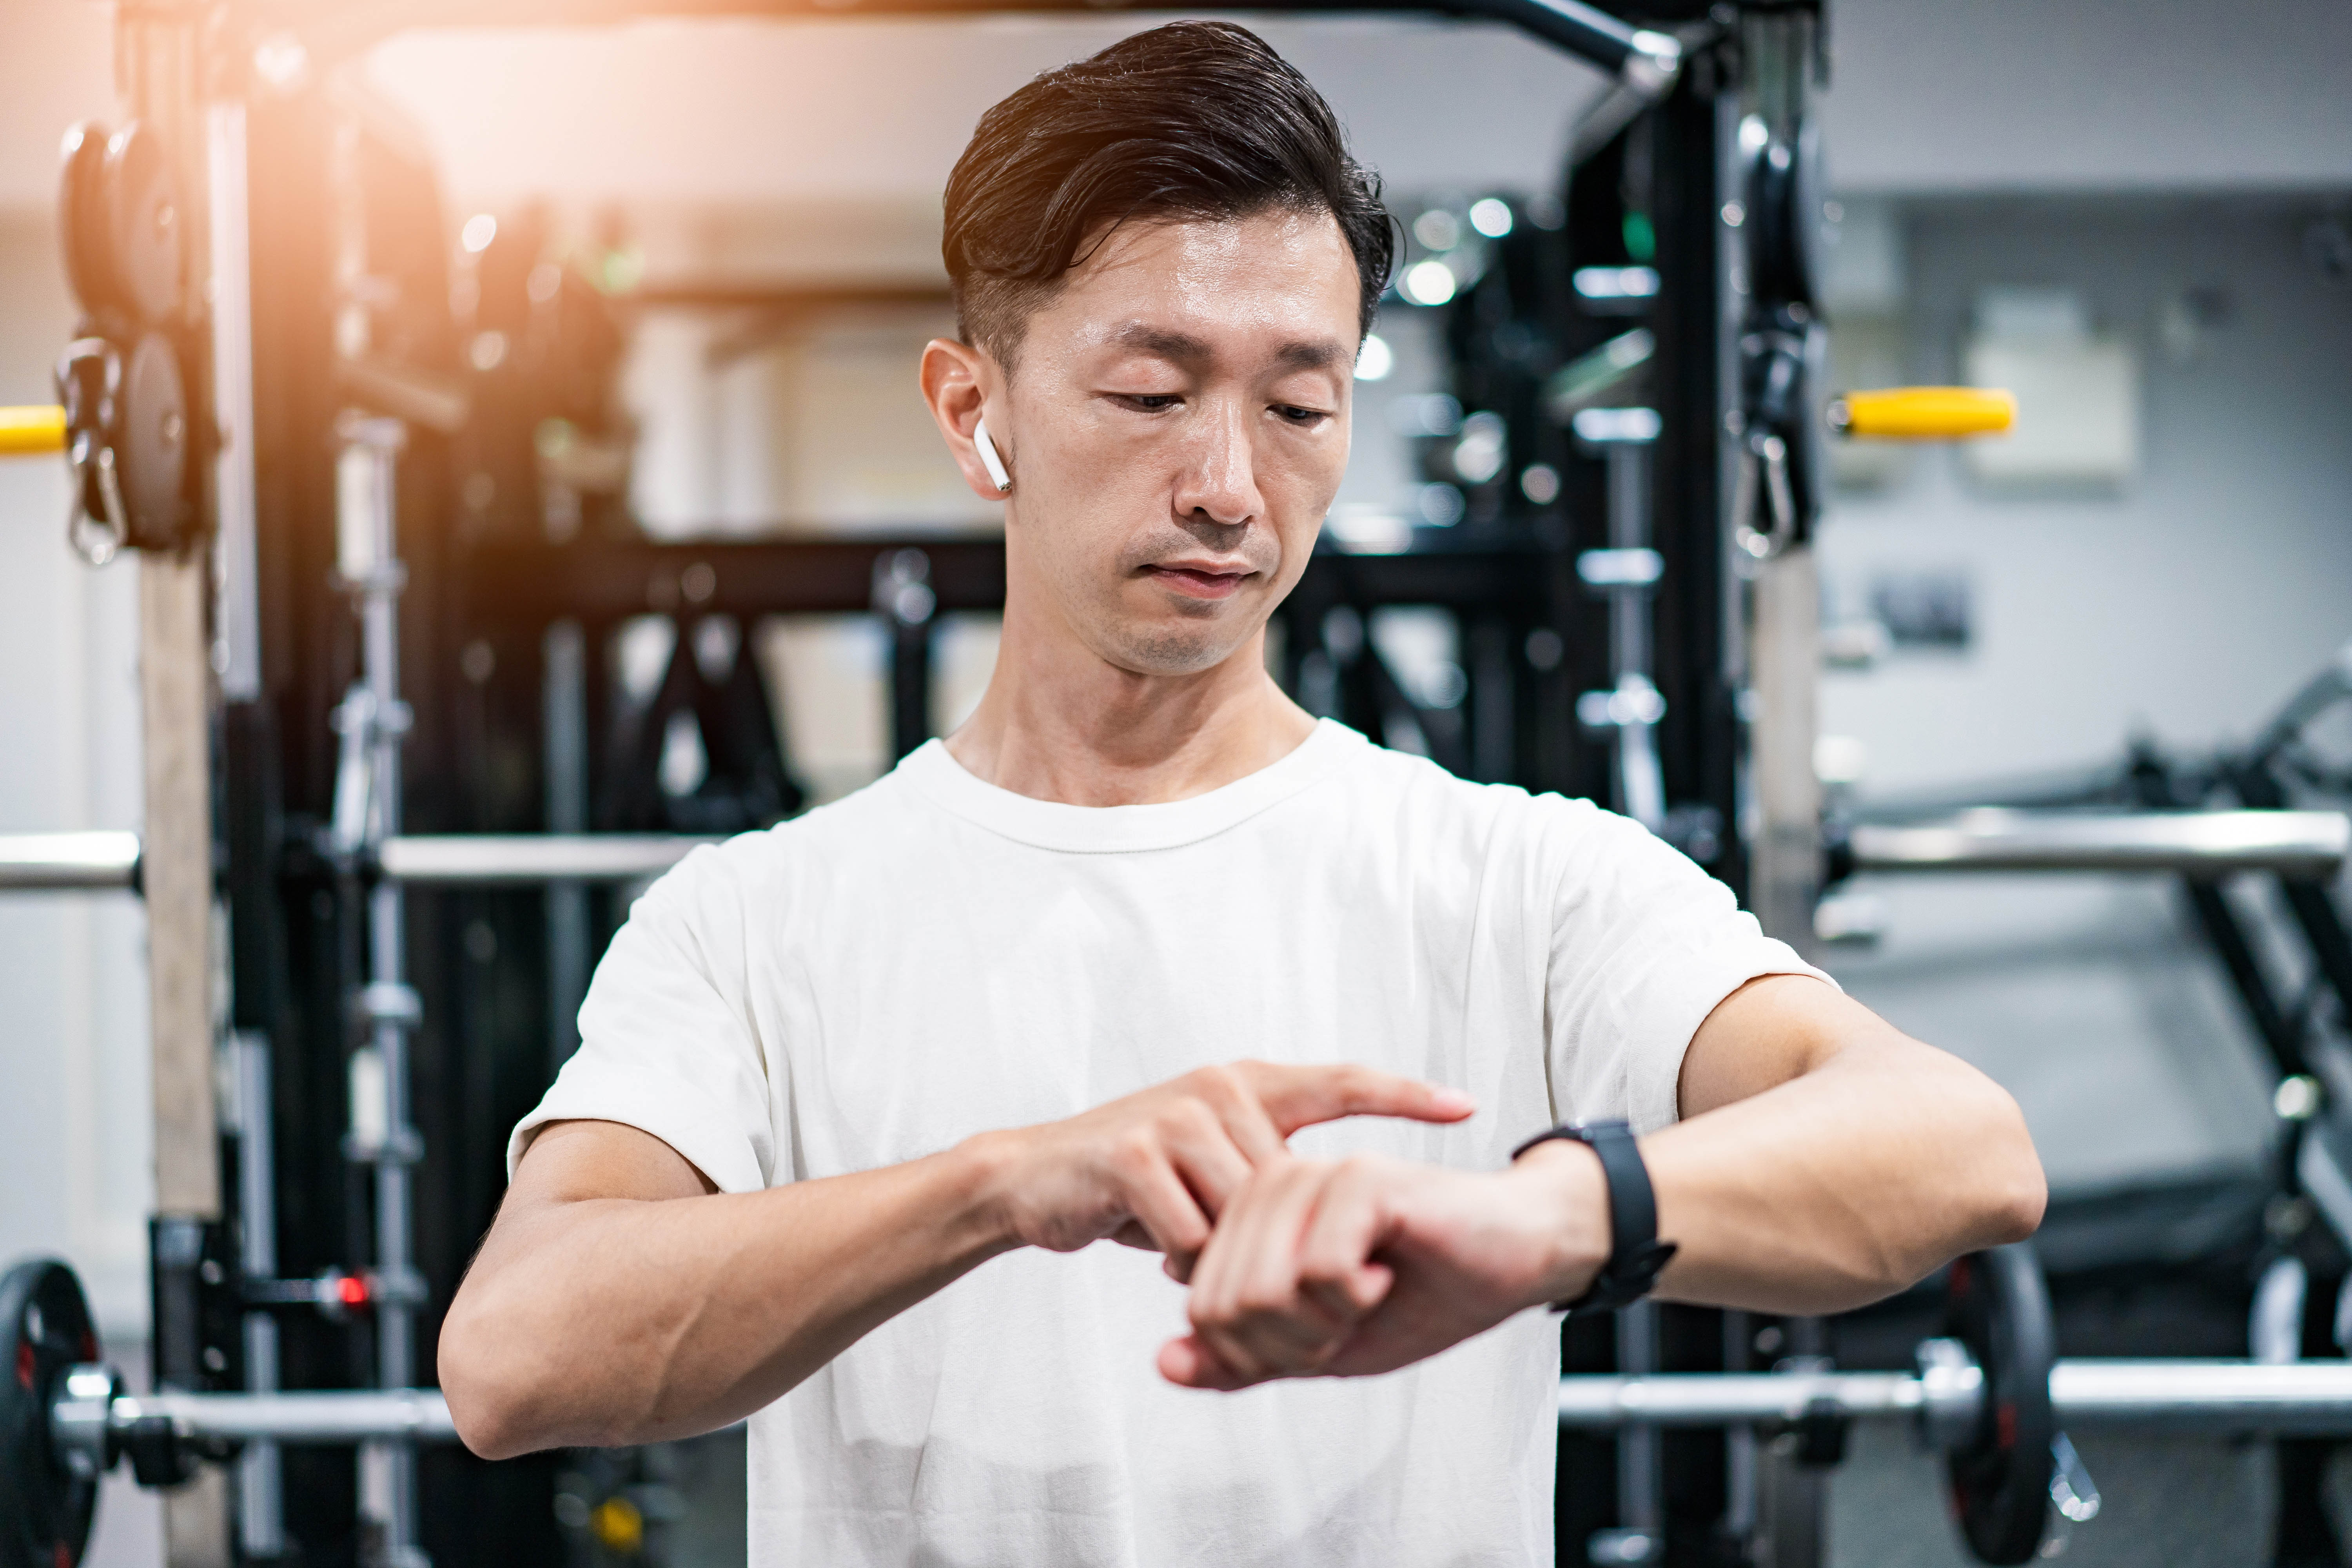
491 1408
2013 1190
2000 1192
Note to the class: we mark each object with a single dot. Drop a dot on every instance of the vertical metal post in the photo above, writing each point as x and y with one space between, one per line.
905 600
1739 1442
260 1486
1494 714
158 67
564 659
1628 574
373 722
237 568
1640 1532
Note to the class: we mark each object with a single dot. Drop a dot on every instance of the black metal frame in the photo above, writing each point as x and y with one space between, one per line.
481 601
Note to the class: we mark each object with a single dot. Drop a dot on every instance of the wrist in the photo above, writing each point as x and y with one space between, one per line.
984 1172
1563 1186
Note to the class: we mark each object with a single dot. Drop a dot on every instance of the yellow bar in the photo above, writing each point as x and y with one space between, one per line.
1923 413
28 430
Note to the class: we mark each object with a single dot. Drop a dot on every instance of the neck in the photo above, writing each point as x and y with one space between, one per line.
1060 723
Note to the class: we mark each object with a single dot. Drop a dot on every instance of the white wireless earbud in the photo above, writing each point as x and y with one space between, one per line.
989 460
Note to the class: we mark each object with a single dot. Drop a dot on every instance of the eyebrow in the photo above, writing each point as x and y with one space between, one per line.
1185 348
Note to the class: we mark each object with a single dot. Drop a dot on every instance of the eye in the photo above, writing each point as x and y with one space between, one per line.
1295 414
1149 402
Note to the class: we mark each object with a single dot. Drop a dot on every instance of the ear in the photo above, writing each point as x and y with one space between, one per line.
958 381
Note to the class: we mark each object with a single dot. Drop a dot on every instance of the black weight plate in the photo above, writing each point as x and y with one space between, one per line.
45 1328
1785 217
86 222
1998 1307
151 451
147 220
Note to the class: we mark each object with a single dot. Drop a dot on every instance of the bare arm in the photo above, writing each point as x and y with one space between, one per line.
1826 1159
620 1299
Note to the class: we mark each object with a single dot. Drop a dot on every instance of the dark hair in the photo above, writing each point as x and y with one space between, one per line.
1194 119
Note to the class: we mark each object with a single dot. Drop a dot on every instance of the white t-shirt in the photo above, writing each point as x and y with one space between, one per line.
933 956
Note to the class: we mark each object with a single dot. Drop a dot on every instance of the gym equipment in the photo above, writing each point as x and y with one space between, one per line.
525 566
103 861
124 417
1988 1395
1921 412
1991 1398
28 431
2299 844
66 1420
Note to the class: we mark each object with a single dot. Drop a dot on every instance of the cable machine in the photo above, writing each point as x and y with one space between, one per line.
392 779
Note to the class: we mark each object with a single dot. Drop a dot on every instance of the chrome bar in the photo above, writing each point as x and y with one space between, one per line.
351 1416
103 861
2310 1397
56 862
491 858
2304 1397
1732 1399
2193 843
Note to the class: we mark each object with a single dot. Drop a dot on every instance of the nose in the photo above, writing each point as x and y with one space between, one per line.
1218 480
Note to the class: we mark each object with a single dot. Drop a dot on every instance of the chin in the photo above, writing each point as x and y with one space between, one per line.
1170 650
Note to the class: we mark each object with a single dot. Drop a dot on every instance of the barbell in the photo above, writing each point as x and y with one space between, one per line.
1987 1394
1991 1398
65 1419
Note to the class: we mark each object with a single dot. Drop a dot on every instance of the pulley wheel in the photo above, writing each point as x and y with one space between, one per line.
86 221
1998 1307
152 446
148 222
45 1328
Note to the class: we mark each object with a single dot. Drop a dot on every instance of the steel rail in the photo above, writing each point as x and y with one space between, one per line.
2311 1398
336 1417
102 862
2193 843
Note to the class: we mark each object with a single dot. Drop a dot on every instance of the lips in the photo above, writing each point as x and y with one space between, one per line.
1199 581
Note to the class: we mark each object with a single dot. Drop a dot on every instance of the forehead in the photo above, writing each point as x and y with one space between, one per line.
1236 284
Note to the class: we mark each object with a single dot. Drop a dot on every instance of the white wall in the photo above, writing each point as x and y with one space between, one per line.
74 1146
2089 95
2189 604
875 112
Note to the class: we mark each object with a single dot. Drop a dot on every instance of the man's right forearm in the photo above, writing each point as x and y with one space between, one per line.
605 1320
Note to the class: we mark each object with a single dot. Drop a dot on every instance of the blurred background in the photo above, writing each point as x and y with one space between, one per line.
2136 213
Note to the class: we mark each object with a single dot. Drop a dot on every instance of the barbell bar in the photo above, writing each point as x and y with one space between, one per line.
1986 1396
2309 844
2304 1398
2313 844
92 1418
100 862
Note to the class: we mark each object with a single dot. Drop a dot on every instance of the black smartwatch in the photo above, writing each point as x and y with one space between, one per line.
1635 1252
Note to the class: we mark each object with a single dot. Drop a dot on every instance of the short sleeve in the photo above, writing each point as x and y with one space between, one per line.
668 1043
1644 944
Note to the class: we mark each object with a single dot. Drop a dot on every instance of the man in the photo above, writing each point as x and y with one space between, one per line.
1081 972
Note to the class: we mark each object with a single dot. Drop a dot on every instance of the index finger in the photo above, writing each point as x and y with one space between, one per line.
1300 1096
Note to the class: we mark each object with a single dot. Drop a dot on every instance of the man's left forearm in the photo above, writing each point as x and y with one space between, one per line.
1842 1185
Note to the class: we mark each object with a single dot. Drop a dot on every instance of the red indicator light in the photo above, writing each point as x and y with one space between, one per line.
352 1290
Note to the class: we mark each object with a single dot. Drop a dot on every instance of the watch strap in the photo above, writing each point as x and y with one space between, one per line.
1635 1254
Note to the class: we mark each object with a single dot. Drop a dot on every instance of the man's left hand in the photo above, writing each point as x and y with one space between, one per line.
1367 1264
